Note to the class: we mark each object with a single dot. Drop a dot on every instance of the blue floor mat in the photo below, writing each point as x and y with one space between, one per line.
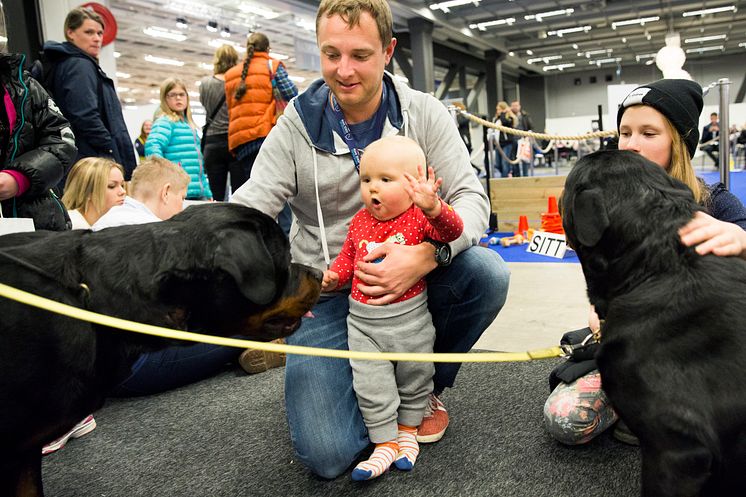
518 253
737 182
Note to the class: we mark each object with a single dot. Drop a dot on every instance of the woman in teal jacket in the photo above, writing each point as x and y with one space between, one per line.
174 137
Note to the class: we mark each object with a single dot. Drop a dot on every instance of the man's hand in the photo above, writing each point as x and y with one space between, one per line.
8 186
711 235
424 191
402 267
330 281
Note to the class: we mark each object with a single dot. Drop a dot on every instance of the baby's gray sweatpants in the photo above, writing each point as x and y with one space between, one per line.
391 392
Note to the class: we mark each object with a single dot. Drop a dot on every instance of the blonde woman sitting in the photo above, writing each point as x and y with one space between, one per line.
94 185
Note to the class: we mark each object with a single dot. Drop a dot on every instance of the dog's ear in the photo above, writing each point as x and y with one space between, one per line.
589 216
244 255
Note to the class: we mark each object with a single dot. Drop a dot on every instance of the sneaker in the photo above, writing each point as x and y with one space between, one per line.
257 361
80 429
624 434
435 421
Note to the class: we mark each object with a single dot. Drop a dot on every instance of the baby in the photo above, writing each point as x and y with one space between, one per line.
401 206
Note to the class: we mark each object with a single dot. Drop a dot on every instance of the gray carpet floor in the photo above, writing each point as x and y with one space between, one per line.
227 436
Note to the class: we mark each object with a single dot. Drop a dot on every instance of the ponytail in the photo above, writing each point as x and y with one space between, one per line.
241 89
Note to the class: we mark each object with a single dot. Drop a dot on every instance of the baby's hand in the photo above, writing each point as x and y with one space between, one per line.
424 191
330 281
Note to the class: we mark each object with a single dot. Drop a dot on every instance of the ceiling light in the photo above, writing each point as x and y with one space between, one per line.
529 52
742 45
575 46
219 42
194 94
117 55
713 10
638 58
305 24
225 32
122 89
604 61
559 67
297 79
641 21
154 101
598 52
562 32
181 23
511 53
164 33
131 107
624 40
123 75
212 26
482 26
704 49
205 66
705 38
546 59
446 6
260 11
163 61
551 13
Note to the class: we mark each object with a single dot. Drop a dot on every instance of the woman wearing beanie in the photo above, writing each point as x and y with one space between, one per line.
659 121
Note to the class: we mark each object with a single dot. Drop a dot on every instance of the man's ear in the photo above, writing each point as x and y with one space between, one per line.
589 217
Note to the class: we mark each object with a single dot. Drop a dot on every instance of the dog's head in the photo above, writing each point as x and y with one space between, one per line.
621 213
239 275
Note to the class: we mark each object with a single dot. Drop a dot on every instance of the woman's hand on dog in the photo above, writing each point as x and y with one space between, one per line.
712 236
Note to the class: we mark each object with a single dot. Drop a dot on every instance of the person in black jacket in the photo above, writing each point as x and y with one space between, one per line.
86 95
36 147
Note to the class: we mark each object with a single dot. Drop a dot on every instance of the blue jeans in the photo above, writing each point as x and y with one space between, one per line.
326 427
174 367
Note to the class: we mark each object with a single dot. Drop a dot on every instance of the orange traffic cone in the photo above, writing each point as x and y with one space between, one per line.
551 220
522 226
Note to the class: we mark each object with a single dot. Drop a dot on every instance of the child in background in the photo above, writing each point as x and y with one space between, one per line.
174 137
157 192
401 206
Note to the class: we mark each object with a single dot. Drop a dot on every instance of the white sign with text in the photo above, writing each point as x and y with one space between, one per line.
549 244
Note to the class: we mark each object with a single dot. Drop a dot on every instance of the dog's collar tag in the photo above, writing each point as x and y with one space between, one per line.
635 98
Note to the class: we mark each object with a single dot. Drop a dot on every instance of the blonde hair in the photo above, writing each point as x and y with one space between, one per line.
680 166
502 105
351 10
87 181
164 110
256 42
225 57
154 172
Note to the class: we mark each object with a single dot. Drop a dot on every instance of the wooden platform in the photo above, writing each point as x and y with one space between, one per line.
514 197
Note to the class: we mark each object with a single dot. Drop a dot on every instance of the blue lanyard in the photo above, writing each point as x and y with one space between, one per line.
348 136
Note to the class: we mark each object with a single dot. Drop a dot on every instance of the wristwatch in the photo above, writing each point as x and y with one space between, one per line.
442 251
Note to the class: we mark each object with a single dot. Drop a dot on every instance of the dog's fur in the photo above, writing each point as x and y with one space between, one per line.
673 346
221 269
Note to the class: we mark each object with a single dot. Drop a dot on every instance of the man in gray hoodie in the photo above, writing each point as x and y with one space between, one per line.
310 160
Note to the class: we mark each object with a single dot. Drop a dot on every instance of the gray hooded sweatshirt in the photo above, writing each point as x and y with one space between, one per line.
304 162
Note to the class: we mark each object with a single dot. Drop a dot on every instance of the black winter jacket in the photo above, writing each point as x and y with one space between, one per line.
41 147
87 97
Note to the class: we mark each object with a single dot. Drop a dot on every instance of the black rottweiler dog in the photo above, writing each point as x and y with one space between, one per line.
219 268
673 347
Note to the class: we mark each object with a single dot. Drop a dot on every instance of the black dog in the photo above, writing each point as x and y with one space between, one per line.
220 268
673 347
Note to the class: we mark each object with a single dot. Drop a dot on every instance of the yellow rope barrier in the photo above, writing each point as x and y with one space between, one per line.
122 324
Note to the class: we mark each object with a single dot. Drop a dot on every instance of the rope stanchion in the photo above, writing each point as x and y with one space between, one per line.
147 329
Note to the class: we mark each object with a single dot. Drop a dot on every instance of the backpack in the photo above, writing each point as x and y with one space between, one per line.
42 70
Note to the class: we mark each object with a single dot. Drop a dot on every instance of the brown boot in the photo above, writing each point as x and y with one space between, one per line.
257 361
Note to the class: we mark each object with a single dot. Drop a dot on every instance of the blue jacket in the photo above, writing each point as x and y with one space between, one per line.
179 143
88 99
725 206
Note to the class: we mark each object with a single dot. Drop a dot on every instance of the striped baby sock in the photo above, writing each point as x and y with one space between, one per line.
408 448
381 459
